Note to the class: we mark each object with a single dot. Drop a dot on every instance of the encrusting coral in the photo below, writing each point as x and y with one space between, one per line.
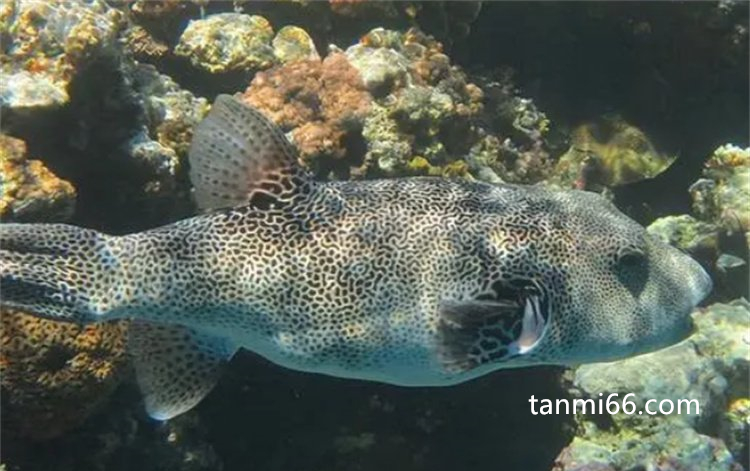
292 43
55 374
234 42
28 190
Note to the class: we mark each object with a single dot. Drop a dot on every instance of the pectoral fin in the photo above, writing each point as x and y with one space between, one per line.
474 332
175 366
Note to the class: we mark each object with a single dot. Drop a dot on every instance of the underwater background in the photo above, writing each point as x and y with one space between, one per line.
644 102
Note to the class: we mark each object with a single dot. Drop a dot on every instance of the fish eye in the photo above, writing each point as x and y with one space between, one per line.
630 256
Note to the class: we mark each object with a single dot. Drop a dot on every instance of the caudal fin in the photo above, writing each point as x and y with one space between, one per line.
56 271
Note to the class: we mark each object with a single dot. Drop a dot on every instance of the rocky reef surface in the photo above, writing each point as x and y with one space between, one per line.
98 101
716 233
706 379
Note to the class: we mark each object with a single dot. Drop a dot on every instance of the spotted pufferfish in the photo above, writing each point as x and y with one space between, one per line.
408 281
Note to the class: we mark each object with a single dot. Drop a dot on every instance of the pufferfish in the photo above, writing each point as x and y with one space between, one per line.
408 281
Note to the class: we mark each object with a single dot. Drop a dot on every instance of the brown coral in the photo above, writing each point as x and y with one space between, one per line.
30 190
323 104
55 374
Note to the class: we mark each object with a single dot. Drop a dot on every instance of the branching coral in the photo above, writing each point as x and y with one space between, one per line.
54 374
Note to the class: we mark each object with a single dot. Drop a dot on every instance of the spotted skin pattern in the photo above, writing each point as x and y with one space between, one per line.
415 281
352 284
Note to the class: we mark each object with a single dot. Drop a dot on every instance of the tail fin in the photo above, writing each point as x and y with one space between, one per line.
56 271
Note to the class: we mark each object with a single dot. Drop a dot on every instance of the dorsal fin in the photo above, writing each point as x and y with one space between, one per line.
238 157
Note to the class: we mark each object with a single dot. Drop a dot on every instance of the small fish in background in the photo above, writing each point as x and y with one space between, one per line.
609 152
411 281
727 262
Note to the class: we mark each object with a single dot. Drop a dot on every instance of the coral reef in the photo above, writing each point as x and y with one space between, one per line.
718 236
228 42
320 103
396 98
609 152
711 367
698 238
106 94
424 106
233 42
722 196
55 374
169 115
122 142
120 437
524 141
71 93
343 21
292 43
48 44
28 190
585 60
